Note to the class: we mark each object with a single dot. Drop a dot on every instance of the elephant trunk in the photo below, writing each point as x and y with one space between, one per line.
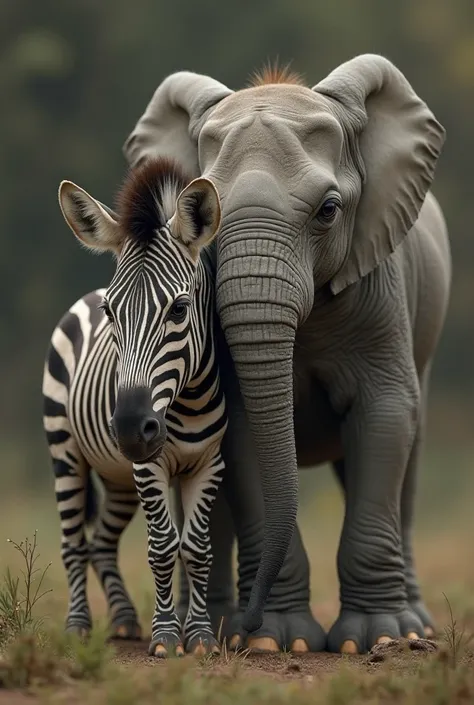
260 331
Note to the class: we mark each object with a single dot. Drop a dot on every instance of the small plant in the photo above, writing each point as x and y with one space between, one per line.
232 657
91 656
456 638
286 656
18 602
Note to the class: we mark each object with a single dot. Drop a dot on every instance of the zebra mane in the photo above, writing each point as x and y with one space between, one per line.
147 199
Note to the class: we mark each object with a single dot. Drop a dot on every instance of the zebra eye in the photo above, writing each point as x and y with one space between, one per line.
104 306
178 311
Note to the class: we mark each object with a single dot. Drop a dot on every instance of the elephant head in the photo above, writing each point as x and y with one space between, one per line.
318 187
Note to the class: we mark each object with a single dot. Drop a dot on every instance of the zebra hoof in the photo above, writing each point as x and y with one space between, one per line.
166 646
203 645
78 631
127 631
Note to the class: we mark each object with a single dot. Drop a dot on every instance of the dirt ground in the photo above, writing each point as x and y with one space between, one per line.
280 666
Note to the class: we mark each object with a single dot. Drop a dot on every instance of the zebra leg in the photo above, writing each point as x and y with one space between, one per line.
198 492
220 590
70 471
117 511
152 484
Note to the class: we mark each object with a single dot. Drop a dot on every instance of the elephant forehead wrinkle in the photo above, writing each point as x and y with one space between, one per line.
216 128
304 125
299 118
282 99
317 122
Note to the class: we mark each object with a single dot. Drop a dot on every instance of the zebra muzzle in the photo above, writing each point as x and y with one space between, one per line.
137 430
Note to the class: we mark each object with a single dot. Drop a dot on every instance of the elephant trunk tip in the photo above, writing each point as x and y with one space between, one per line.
253 619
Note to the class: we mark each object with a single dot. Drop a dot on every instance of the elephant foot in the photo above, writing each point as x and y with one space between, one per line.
420 609
126 630
165 644
357 632
297 632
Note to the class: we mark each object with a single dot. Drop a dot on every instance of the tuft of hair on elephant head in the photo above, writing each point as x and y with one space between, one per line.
318 187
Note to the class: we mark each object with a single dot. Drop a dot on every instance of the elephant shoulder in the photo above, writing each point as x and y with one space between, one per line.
429 242
430 228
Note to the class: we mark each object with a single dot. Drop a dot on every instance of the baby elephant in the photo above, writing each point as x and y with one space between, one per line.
131 389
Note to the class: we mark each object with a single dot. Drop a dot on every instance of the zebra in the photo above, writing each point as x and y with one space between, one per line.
131 389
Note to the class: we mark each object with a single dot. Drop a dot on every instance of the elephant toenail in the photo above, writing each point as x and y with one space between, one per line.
263 643
384 639
349 647
299 646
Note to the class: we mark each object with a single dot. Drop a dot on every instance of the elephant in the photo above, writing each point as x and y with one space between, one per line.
333 273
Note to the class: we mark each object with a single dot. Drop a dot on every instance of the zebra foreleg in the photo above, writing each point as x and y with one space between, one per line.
198 492
163 543
116 513
220 589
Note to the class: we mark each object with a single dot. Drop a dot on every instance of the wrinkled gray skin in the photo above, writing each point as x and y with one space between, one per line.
332 320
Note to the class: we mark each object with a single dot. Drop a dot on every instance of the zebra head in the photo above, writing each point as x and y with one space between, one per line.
160 301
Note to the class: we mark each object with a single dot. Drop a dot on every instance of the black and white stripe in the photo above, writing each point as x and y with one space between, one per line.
89 360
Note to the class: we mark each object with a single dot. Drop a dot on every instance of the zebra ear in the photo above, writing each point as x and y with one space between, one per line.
197 218
94 225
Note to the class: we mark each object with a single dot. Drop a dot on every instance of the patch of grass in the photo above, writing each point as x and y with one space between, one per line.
32 655
428 682
27 662
181 681
44 659
91 657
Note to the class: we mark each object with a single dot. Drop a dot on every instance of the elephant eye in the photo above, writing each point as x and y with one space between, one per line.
328 211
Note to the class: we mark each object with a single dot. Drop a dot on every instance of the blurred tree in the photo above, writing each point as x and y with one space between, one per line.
75 76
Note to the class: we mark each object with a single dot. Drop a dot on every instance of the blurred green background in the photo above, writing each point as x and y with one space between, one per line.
74 78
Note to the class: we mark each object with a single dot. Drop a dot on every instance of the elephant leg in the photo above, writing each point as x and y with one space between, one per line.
378 436
288 621
407 510
220 591
407 507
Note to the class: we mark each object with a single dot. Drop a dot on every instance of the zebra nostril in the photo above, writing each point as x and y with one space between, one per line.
150 428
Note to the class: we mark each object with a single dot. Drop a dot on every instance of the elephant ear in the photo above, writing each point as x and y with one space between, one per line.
172 121
397 142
